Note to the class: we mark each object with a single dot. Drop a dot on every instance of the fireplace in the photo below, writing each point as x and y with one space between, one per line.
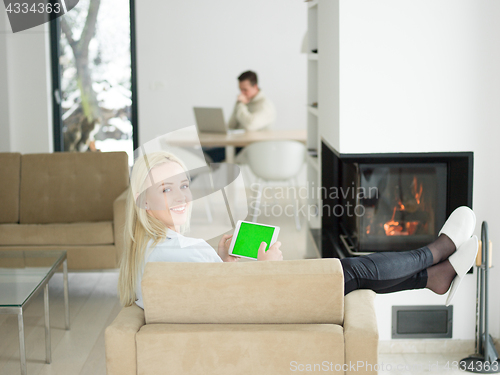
389 202
401 206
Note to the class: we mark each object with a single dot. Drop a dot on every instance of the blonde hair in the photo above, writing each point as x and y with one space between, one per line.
140 227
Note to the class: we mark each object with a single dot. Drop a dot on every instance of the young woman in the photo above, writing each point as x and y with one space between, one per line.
158 212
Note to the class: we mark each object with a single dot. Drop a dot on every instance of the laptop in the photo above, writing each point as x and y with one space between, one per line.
211 120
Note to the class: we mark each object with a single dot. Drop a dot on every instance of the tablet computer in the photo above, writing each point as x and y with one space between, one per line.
248 236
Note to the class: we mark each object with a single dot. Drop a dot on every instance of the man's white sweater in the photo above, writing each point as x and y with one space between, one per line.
258 114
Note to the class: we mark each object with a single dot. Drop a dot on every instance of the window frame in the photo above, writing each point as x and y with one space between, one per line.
55 52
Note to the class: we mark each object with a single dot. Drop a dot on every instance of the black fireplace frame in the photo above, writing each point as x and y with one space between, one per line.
459 173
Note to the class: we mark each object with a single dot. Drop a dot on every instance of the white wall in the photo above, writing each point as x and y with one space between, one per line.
419 77
190 54
4 89
25 86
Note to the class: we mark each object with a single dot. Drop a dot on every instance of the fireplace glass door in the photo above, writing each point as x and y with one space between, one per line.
404 205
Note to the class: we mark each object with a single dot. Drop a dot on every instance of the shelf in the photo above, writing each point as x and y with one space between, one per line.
313 132
316 237
312 4
313 110
313 161
314 222
314 244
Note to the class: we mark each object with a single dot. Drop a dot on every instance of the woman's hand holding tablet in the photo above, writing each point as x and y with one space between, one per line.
223 249
251 240
274 252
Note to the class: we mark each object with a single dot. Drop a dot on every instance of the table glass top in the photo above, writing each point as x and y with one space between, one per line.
21 272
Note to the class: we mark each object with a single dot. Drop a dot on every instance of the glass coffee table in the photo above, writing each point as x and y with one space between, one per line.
22 275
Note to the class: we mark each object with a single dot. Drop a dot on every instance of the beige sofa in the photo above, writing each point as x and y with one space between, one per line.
258 318
70 201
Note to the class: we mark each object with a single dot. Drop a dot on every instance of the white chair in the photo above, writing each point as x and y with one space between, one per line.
275 161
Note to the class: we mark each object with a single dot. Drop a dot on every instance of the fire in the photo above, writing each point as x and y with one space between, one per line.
408 228
417 189
394 228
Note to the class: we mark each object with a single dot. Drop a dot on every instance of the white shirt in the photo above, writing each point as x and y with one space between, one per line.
175 248
258 114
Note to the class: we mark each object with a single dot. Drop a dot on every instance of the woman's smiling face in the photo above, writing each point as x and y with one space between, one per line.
168 196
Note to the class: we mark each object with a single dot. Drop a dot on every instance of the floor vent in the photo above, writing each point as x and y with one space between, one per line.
422 322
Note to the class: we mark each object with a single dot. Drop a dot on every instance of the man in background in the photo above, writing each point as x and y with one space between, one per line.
253 111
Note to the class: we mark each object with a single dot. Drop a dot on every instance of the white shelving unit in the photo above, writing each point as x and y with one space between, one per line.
313 133
313 110
312 4
322 101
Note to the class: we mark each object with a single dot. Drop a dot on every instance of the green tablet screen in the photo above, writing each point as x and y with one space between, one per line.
250 236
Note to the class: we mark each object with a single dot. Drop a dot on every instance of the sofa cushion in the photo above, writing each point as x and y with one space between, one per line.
243 349
290 291
66 187
100 233
10 177
85 257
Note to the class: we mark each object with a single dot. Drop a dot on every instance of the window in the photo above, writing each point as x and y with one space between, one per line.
93 66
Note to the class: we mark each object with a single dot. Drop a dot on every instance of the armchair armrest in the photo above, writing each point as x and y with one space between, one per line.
361 331
119 206
119 337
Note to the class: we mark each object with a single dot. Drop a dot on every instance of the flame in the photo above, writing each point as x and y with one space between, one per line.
417 189
395 228
392 227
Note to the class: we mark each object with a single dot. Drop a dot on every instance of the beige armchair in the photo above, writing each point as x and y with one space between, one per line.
244 318
65 200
